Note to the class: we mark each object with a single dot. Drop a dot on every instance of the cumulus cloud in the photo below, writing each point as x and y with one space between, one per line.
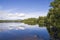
6 15
16 15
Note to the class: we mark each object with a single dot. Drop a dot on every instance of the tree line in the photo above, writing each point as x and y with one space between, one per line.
52 18
2 21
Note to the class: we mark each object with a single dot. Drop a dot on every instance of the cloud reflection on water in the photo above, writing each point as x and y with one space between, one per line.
15 26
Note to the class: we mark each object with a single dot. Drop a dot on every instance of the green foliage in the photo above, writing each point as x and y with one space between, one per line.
1 21
54 14
41 21
31 21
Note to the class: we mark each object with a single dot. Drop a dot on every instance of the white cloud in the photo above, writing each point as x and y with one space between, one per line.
6 15
16 14
11 16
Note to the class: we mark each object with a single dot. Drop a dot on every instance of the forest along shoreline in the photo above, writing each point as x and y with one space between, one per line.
51 21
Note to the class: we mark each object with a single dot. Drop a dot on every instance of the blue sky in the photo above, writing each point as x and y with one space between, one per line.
21 9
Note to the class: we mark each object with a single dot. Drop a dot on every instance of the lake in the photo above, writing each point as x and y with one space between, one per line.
21 31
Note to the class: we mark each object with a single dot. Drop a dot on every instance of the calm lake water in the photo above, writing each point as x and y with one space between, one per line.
21 31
